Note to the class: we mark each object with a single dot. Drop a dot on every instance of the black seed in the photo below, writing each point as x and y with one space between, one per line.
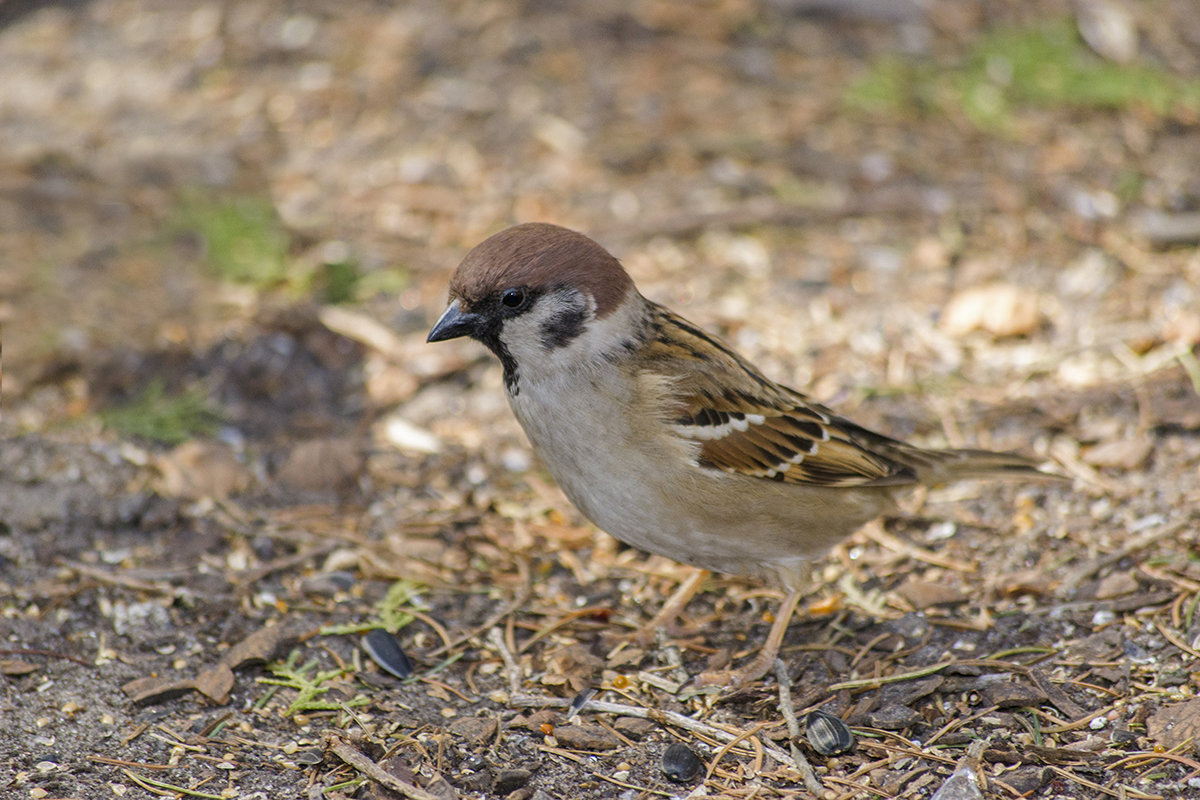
310 757
385 651
827 734
680 764
580 701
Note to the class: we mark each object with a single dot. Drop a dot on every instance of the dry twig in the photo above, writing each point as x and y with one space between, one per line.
351 755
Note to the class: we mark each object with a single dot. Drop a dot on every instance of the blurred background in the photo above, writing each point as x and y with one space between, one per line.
225 228
167 170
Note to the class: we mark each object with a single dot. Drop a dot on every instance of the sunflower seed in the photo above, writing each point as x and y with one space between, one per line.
680 764
385 651
827 734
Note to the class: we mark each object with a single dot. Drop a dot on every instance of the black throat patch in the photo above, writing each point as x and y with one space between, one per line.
491 341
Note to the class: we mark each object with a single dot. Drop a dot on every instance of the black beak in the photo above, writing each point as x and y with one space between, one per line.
454 323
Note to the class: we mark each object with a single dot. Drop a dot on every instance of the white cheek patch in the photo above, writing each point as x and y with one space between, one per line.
549 333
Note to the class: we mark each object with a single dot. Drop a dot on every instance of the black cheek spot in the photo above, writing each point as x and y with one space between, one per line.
561 329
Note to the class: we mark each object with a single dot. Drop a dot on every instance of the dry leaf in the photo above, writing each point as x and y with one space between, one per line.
1174 724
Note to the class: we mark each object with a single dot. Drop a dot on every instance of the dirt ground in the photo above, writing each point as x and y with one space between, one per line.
227 454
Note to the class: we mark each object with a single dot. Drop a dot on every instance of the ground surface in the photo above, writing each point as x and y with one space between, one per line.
227 451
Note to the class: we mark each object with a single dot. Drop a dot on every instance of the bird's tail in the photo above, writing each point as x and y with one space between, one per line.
941 466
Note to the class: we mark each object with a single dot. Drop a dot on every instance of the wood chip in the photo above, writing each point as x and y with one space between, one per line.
215 683
261 646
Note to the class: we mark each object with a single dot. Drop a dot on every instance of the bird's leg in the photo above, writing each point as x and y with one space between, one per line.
671 610
766 656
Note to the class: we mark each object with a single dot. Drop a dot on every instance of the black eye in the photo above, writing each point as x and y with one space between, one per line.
513 298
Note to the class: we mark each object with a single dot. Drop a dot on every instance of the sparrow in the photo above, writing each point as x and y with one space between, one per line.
664 436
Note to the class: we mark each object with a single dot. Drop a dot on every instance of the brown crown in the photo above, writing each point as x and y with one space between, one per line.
541 256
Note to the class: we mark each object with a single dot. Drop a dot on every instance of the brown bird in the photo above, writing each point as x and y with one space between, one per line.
664 436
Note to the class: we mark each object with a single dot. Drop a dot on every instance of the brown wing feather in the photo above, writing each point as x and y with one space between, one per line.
767 430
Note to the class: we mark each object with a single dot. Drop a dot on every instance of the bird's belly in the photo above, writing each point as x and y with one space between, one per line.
647 491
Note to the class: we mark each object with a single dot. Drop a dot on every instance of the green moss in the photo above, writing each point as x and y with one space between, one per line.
159 417
242 237
1009 70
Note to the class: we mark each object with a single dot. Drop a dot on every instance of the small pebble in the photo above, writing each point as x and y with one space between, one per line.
385 651
1135 652
680 764
328 584
827 734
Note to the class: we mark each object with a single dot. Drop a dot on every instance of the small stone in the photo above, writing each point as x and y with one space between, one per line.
1163 229
1008 694
586 737
633 727
1000 309
893 717
328 584
1026 780
1116 585
476 730
1137 654
1126 454
962 785
680 764
509 780
1109 28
